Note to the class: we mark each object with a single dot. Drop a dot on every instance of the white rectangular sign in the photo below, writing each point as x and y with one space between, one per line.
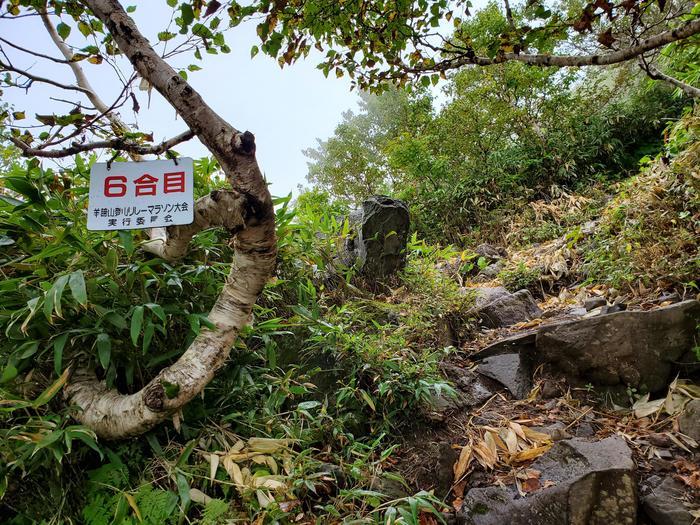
148 194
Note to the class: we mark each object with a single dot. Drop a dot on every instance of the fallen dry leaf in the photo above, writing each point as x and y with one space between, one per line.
462 465
527 455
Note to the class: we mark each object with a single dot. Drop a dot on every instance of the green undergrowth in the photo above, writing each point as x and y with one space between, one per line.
302 422
635 235
648 234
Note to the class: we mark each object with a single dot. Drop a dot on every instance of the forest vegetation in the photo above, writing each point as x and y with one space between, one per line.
312 380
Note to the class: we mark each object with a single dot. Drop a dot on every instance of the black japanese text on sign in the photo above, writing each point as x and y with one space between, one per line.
148 194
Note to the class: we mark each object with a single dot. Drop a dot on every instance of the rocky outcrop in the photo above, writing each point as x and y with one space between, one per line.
491 252
580 483
661 502
689 420
378 235
497 307
510 371
637 348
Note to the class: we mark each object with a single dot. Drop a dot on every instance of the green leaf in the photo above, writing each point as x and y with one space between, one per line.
52 301
121 510
307 405
186 453
84 28
183 489
136 323
148 335
104 349
164 36
171 389
58 345
24 187
368 400
116 320
76 282
157 310
63 30
127 240
111 260
8 374
131 9
187 14
48 394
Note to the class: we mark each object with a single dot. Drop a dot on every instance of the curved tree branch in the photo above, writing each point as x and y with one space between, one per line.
655 74
117 124
220 208
247 212
35 78
34 53
680 33
118 144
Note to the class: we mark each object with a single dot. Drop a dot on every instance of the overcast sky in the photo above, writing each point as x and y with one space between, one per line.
286 108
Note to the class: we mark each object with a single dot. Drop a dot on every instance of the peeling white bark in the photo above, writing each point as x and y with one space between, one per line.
246 212
220 208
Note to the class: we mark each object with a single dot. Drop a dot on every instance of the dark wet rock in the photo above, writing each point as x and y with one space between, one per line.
486 294
637 348
576 311
591 484
594 302
584 430
444 474
671 297
689 363
446 333
390 486
614 308
491 252
661 503
496 307
689 420
557 431
510 371
472 390
522 341
377 242
550 389
492 270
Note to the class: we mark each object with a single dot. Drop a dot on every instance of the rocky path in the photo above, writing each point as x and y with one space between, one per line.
583 409
542 431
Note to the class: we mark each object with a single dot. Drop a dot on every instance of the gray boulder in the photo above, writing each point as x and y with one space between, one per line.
471 389
378 236
637 348
594 302
492 270
510 371
496 307
520 342
590 484
661 502
689 420
491 252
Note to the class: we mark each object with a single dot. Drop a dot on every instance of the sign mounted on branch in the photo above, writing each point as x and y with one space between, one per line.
148 194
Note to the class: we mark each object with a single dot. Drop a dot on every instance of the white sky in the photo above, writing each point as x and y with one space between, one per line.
286 108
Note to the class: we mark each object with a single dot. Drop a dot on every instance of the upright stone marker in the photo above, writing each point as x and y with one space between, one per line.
377 245
133 195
